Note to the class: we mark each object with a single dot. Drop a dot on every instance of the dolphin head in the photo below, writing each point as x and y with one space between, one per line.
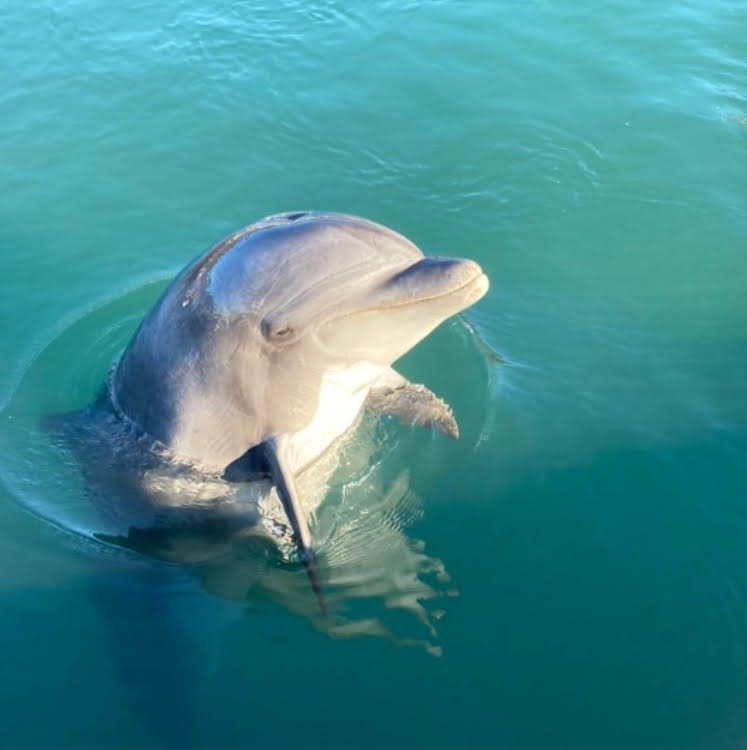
314 291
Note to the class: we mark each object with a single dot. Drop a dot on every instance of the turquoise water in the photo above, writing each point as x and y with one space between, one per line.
573 572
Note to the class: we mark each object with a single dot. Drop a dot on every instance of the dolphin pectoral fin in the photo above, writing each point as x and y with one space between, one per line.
276 455
414 404
249 466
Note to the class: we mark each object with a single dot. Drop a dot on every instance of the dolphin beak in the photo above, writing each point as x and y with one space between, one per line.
277 461
432 278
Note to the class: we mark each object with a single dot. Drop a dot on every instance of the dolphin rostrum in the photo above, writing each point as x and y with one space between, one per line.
265 348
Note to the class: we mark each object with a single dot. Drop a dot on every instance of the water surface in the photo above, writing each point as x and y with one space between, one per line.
572 573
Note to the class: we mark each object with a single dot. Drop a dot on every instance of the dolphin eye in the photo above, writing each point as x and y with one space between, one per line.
276 331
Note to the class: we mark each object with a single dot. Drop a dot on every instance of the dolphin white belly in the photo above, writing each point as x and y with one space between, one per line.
341 396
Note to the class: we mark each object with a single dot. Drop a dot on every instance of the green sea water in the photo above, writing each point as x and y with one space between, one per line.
573 572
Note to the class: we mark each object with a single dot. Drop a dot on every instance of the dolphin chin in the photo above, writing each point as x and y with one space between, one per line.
263 351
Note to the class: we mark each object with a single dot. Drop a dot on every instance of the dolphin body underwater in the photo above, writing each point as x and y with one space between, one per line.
265 349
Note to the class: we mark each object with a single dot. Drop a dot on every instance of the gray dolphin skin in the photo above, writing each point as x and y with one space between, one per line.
264 350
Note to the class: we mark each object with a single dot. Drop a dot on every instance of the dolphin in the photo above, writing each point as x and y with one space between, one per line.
264 350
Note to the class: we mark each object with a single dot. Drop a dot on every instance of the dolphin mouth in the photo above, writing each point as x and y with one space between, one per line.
429 280
453 283
400 310
473 290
